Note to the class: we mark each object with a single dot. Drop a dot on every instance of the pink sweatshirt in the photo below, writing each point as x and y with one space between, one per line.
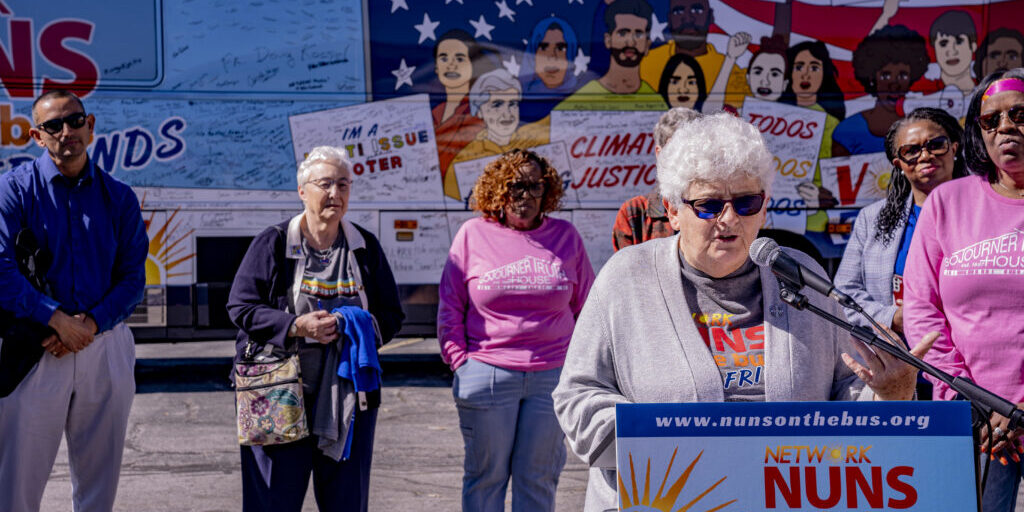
965 279
510 298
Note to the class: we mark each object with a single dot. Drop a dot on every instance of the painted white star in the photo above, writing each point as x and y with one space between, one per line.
483 29
580 62
530 2
505 12
426 29
657 29
398 4
403 75
511 65
571 1
446 2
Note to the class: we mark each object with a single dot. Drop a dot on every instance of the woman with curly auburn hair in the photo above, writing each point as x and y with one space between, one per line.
514 283
922 148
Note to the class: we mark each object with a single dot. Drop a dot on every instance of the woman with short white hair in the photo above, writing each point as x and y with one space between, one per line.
691 318
294 275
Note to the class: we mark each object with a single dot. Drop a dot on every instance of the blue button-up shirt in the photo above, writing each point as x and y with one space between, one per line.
93 229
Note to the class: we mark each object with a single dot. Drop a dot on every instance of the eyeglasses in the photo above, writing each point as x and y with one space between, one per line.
909 153
327 184
521 188
990 121
711 208
54 126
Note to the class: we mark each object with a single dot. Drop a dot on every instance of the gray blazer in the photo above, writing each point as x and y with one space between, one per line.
865 273
636 342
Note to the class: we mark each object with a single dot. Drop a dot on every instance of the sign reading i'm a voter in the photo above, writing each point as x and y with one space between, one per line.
915 456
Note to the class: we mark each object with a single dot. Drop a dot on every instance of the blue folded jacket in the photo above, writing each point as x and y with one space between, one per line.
358 357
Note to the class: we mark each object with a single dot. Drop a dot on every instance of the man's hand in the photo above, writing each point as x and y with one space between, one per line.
890 378
75 332
53 345
319 325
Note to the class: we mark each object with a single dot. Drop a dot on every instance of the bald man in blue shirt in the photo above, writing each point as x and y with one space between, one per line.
84 384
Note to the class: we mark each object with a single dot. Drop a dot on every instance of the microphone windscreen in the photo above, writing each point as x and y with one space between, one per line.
762 251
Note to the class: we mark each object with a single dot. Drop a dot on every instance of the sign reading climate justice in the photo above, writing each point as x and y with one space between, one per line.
915 456
611 154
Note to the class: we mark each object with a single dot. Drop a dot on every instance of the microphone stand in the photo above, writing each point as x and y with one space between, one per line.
979 397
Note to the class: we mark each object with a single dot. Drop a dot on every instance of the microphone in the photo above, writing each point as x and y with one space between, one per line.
766 252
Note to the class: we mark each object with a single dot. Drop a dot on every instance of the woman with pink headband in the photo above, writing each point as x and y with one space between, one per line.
964 276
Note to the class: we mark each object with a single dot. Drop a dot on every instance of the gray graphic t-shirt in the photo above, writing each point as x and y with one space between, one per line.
729 313
326 284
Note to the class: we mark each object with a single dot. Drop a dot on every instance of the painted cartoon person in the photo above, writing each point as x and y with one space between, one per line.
1000 51
954 40
683 83
548 71
627 39
887 62
495 98
457 60
689 22
812 83
766 74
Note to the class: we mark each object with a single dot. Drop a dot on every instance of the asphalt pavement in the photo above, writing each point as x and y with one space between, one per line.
181 452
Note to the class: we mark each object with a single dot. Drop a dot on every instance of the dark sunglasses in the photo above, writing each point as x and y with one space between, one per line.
54 126
710 208
521 188
909 153
990 121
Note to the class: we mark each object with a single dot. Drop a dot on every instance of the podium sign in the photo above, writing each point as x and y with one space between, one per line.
915 456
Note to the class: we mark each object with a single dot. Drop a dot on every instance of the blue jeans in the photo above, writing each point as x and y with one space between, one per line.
509 430
1001 486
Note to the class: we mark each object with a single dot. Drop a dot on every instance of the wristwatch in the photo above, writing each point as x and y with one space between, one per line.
293 330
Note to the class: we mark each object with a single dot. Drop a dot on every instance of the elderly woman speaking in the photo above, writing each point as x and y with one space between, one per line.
692 319
291 276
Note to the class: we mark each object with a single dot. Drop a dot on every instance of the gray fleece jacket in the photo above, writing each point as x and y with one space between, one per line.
636 342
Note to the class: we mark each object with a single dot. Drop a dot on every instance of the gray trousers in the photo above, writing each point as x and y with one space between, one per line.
87 396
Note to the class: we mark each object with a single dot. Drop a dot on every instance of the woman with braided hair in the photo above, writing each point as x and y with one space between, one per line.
922 148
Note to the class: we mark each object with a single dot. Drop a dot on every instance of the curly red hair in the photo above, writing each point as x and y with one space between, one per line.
491 196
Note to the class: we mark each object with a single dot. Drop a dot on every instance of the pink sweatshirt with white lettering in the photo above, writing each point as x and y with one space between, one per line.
510 298
964 278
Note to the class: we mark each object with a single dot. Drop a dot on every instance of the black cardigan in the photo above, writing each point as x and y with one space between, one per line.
259 294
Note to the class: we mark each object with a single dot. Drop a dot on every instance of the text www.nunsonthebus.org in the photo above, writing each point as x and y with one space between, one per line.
817 419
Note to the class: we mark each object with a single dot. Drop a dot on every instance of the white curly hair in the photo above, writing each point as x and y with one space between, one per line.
710 149
322 155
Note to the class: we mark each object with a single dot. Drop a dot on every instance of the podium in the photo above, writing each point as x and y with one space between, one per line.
916 456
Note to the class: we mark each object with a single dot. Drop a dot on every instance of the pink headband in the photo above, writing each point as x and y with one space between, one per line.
1003 85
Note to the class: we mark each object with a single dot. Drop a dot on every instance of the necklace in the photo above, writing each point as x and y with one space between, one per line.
1018 193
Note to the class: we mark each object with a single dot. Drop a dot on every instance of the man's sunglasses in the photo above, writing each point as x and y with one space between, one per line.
909 153
521 188
710 208
990 121
54 126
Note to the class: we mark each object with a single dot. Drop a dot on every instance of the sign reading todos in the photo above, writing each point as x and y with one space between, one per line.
795 456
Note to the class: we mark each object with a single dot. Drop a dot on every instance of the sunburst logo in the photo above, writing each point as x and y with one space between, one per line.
165 248
664 500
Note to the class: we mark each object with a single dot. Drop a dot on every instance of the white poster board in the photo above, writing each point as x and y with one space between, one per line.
611 154
858 180
391 145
